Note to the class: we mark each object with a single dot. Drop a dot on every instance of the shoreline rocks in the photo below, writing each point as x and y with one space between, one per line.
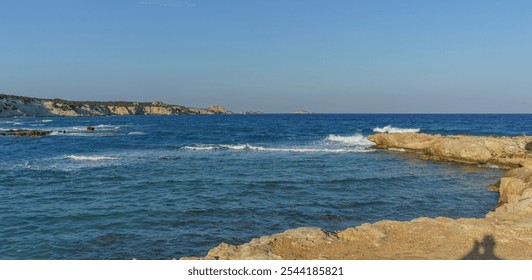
503 151
505 233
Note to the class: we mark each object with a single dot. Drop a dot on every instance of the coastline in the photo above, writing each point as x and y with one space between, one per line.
504 233
22 106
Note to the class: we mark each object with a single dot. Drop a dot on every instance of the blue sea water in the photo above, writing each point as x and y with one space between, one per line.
159 187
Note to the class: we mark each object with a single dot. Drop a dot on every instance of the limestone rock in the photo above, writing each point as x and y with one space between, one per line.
216 109
503 151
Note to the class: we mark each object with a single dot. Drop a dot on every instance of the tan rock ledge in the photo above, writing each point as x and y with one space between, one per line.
505 233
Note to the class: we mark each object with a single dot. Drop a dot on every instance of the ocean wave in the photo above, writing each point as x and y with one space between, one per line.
247 147
11 122
136 133
108 127
89 158
354 140
97 127
391 129
80 134
488 165
397 150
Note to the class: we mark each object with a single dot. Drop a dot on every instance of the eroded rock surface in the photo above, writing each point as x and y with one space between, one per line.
502 151
505 233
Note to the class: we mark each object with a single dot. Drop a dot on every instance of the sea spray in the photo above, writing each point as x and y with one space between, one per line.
391 129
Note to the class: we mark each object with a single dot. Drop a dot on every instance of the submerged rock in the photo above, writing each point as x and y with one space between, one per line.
25 133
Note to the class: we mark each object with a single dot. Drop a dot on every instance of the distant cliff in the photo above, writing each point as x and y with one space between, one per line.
21 106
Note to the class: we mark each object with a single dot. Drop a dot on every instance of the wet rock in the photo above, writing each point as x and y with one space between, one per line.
528 147
25 133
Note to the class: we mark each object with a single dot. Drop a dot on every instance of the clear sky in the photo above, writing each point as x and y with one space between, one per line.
274 56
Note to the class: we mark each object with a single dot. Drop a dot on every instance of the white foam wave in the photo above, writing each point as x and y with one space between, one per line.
247 147
97 127
89 158
44 121
488 165
106 126
80 134
397 150
136 133
11 122
354 140
391 129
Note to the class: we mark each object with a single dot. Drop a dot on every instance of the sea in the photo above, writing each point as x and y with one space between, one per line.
163 187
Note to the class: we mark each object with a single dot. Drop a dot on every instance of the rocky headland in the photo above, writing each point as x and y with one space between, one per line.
21 106
505 233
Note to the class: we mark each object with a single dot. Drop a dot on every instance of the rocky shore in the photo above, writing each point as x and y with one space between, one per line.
505 233
21 106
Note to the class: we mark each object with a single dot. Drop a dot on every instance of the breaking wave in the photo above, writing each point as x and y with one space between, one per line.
247 147
397 150
89 158
107 127
354 140
391 129
13 122
80 134
488 165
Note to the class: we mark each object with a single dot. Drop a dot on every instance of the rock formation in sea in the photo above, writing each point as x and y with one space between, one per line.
20 106
25 132
505 233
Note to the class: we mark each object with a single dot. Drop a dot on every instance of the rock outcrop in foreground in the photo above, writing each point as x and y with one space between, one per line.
20 106
505 233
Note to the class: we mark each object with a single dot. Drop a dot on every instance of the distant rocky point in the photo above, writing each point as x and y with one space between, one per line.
302 112
21 106
251 113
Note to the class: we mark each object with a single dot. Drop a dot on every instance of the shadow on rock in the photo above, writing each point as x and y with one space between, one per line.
483 250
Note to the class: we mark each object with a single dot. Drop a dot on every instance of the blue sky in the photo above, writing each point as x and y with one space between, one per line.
403 56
